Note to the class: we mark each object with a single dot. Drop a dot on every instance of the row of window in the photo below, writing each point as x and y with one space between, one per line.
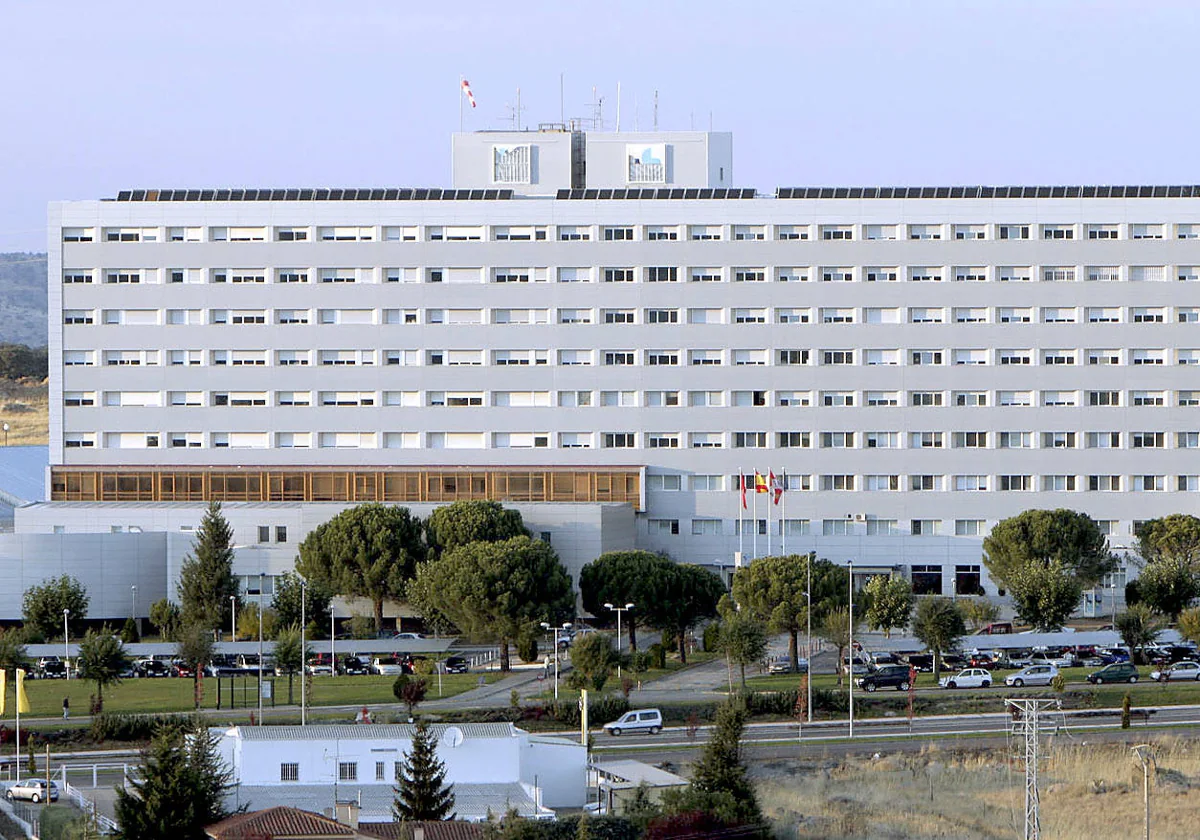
631 232
633 399
659 357
635 274
851 526
648 315
652 440
289 771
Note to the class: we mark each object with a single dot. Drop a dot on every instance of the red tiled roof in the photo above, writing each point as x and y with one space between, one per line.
278 822
446 830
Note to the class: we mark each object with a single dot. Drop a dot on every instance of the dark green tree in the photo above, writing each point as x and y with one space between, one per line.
180 790
102 658
720 786
495 589
164 615
286 601
369 551
43 606
410 691
939 625
1174 537
129 632
206 579
289 654
743 639
680 599
620 578
1139 626
195 646
835 629
13 654
1044 595
1169 549
890 603
1188 625
421 789
593 659
468 521
1044 536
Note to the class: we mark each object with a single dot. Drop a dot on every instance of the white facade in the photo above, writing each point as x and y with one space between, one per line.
919 363
349 762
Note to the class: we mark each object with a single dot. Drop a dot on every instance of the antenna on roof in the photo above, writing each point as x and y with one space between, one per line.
656 110
618 107
562 107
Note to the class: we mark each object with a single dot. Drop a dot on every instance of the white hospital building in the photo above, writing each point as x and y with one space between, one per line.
600 330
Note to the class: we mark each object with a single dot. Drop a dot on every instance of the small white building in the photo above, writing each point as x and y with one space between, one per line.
493 767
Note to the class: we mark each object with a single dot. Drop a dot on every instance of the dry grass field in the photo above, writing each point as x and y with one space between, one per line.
1088 791
25 408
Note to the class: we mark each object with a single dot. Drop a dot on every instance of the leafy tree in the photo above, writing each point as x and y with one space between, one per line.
1169 585
890 603
624 577
720 786
286 601
12 650
1139 626
495 589
743 639
165 617
195 646
594 660
101 660
1188 625
247 622
181 788
410 691
421 789
835 629
43 606
361 627
1043 537
129 632
939 625
775 590
370 551
1044 596
468 521
681 598
979 612
290 656
1174 537
206 579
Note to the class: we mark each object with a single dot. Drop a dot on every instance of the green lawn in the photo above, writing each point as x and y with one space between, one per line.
646 677
170 694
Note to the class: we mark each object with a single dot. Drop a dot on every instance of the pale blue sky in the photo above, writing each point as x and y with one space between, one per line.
101 96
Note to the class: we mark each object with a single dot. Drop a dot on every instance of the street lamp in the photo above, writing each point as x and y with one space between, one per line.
808 617
260 625
546 626
6 434
303 651
133 614
233 618
850 566
1142 754
618 611
66 638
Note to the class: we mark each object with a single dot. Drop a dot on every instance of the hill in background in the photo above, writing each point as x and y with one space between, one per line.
23 299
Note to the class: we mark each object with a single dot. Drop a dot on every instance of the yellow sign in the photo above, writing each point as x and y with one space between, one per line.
3 690
22 697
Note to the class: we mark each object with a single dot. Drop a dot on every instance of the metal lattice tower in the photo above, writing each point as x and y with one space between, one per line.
1026 723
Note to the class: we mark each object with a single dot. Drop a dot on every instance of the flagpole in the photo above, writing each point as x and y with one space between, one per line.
783 517
741 501
770 493
460 104
754 514
18 686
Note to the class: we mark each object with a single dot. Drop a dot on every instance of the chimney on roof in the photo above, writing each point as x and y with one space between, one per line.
347 813
418 832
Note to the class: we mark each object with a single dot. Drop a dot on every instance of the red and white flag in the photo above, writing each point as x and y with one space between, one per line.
742 486
466 89
776 486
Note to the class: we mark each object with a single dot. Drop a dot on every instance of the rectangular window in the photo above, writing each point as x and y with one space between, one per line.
706 440
881 483
749 440
347 771
837 232
837 357
1012 231
837 398
925 440
837 483
840 274
1014 482
793 440
927 580
970 482
1058 231
924 231
925 527
1058 440
1014 440
1149 483
663 527
792 357
881 398
289 772
925 482
661 274
1104 483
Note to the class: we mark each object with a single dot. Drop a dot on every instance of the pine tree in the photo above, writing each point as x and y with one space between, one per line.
206 580
421 789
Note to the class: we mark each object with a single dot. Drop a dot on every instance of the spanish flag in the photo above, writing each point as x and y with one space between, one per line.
760 483
3 690
22 697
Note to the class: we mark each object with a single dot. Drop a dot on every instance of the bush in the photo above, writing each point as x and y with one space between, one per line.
527 646
120 727
361 627
57 821
129 632
641 661
1059 683
712 637
658 655
601 709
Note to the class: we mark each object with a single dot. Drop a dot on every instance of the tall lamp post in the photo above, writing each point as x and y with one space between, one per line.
261 576
850 566
303 652
66 639
133 613
6 434
808 619
546 626
620 643
233 618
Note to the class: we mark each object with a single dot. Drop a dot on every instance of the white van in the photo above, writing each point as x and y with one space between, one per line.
639 720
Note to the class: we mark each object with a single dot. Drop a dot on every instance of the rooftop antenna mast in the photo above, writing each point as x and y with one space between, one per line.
656 110
618 107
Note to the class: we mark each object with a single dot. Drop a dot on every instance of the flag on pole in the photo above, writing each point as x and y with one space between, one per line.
741 480
760 483
3 689
466 89
22 697
777 487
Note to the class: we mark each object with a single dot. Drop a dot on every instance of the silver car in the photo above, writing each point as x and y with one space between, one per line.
1033 675
35 790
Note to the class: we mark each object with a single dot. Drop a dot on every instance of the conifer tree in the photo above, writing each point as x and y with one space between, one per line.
206 580
421 789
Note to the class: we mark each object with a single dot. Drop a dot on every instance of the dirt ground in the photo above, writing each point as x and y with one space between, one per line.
1091 791
25 408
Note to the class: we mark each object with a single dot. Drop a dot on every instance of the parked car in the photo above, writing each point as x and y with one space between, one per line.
1017 659
319 669
1168 654
35 790
886 676
1105 656
455 665
783 665
406 635
968 678
1057 658
387 666
151 668
51 668
352 666
222 665
1188 670
923 662
1033 675
1114 673
984 660
885 657
954 660
179 668
639 720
